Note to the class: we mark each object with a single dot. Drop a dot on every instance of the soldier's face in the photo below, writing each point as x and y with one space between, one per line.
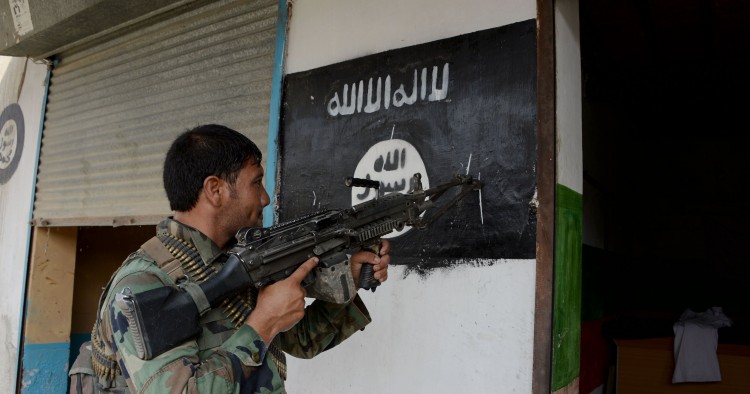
248 197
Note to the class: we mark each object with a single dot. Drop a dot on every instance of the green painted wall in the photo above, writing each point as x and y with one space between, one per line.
566 331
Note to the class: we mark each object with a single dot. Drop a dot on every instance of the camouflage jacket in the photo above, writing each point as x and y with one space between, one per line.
236 362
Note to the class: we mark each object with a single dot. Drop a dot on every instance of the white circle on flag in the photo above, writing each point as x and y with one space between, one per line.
393 163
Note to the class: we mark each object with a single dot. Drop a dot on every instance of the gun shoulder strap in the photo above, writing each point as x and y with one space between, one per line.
155 249
172 266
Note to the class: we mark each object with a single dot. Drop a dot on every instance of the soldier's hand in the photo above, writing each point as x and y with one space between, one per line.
281 305
379 263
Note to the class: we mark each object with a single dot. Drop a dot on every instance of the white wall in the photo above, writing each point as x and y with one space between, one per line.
323 32
23 83
462 329
568 102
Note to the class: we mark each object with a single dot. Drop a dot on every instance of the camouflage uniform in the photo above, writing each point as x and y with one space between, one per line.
222 359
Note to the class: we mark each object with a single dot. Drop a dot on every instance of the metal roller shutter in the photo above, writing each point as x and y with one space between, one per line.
114 108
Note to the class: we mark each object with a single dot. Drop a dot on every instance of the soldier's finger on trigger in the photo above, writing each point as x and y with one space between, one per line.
304 269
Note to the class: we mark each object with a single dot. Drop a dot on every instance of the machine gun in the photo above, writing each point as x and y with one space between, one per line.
263 256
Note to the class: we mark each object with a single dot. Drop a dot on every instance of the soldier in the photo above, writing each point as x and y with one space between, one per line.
213 179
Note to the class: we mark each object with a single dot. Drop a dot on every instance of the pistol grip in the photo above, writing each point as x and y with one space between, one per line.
366 279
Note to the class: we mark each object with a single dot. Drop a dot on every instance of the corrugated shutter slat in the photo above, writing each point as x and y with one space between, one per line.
113 109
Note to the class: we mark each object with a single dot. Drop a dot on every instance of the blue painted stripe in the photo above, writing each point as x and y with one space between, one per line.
272 154
31 216
45 368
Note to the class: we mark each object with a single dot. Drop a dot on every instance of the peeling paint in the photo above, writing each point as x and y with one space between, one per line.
45 366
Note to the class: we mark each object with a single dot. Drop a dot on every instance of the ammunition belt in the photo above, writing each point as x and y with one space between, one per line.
236 308
105 365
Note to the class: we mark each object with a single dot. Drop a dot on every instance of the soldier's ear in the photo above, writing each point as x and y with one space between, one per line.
214 189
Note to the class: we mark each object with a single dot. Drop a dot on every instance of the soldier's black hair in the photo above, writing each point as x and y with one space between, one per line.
201 152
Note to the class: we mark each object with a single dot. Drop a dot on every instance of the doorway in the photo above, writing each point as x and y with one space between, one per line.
665 87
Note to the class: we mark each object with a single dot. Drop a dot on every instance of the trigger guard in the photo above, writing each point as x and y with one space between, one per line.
309 279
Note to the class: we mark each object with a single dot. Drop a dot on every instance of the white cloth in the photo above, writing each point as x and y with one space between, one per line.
696 338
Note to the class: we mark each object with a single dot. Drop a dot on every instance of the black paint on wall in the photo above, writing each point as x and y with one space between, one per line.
485 122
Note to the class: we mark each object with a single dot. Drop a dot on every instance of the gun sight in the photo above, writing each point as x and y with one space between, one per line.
360 182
